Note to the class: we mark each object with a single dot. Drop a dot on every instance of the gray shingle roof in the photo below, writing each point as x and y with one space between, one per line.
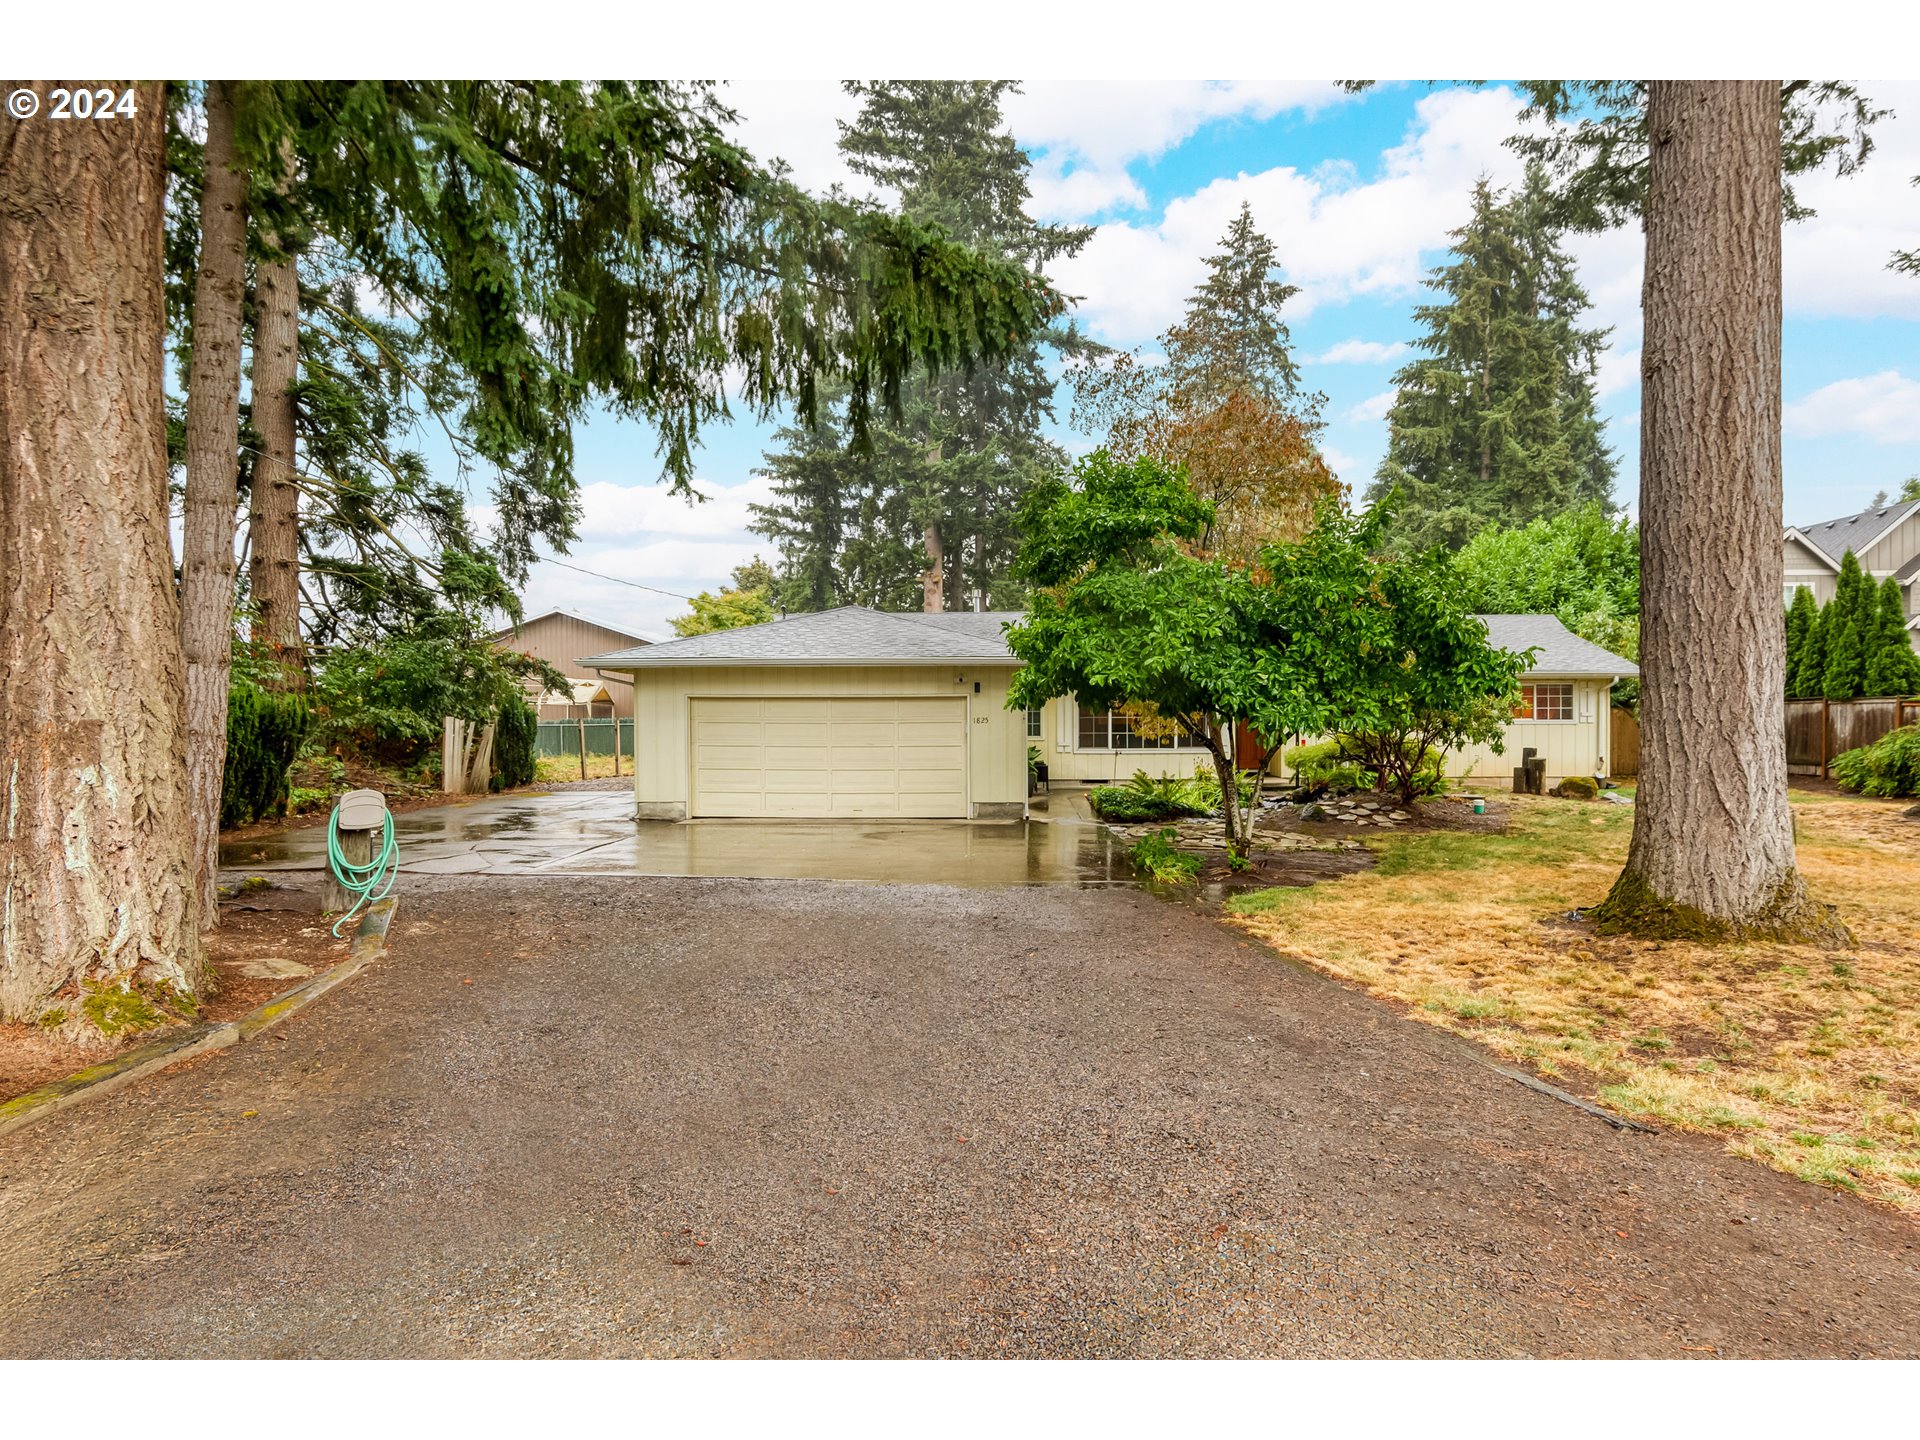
855 635
851 635
1856 532
1558 651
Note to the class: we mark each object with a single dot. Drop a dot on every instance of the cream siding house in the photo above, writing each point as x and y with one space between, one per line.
1564 710
1885 540
858 714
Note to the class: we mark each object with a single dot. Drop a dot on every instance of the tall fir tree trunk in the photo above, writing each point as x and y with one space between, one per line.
212 498
1712 851
96 854
273 538
933 578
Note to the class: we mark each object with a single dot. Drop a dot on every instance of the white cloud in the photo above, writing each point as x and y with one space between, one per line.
1836 263
1618 370
1085 133
1337 236
1884 408
1345 467
644 535
1374 407
1361 352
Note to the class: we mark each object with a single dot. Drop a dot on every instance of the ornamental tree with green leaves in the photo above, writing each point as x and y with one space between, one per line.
1323 635
1121 614
1581 566
1496 420
725 610
1400 658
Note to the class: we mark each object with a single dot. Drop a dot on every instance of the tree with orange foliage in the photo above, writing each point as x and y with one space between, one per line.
1226 404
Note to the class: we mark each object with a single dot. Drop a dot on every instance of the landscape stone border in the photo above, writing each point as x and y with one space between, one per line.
369 945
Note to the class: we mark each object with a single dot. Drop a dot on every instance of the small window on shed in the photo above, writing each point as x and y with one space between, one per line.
1033 724
1545 700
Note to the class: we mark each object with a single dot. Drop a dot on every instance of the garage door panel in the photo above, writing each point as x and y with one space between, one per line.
863 734
873 710
790 732
926 732
719 711
863 757
932 782
926 707
844 756
800 804
794 757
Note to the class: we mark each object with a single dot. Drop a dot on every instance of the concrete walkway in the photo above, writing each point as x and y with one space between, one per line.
594 833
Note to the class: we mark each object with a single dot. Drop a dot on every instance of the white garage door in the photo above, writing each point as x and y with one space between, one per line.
902 756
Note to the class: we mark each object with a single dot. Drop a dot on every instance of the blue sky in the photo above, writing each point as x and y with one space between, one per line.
1358 194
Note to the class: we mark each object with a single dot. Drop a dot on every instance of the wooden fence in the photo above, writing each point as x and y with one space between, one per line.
1818 730
1623 745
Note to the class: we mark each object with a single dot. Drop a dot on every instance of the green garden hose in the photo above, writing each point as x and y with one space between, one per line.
363 882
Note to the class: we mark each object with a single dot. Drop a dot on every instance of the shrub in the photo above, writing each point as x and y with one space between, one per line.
1322 765
1154 855
264 731
1127 806
1889 768
1341 764
513 738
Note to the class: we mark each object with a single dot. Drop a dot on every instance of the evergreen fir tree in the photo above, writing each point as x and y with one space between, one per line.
1893 668
862 523
1807 666
1851 623
1227 406
1497 420
1801 616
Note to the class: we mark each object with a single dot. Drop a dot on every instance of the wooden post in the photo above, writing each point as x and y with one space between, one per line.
583 747
357 846
616 747
1824 742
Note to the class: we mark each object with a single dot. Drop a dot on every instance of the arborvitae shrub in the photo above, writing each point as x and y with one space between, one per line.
264 731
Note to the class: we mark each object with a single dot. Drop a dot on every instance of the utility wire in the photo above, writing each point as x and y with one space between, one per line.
540 559
549 560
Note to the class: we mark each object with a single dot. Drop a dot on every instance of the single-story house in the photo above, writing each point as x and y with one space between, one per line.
557 637
860 713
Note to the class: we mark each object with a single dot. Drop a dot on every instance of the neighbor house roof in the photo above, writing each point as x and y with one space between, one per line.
579 692
1833 538
621 630
855 635
1558 651
851 635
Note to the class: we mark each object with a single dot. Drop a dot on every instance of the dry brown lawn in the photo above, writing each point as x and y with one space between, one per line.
1805 1059
549 769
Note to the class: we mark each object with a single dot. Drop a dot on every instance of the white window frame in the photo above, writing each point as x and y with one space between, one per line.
1036 723
1573 703
1180 742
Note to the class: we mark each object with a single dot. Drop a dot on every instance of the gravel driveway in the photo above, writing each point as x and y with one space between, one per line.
687 1117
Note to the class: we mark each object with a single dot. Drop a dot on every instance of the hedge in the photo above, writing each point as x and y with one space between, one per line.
513 743
264 731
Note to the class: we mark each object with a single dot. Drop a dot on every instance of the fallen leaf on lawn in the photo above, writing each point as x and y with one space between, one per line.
701 1243
248 1114
466 982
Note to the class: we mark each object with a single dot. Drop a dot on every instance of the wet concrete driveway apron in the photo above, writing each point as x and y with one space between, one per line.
594 833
